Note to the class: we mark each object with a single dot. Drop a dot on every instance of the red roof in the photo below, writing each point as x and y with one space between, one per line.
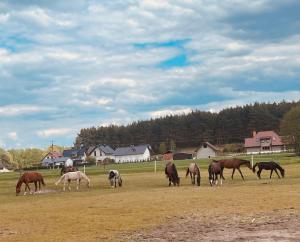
255 141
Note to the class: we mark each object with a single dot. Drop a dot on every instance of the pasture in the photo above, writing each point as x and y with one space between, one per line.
145 207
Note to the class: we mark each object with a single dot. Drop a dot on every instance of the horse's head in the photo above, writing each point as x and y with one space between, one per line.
18 190
282 171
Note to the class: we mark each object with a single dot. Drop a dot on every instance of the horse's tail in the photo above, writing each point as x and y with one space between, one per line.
187 172
253 168
60 179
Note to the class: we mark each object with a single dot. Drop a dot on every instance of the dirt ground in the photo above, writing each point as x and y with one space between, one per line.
276 226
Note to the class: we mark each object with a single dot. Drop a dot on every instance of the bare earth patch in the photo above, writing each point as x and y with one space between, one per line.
275 226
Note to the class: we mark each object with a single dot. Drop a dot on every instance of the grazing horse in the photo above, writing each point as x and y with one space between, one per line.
113 177
271 165
75 175
171 173
66 169
29 177
215 169
234 164
194 172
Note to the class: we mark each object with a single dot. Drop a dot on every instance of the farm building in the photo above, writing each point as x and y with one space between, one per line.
132 154
100 152
207 150
52 162
3 168
77 155
264 142
174 155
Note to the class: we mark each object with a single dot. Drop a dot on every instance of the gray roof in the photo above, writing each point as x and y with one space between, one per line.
55 160
105 148
131 150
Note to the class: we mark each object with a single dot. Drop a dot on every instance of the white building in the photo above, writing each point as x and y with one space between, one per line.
207 150
101 152
132 154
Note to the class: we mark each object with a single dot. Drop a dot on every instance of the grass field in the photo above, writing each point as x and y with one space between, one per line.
145 201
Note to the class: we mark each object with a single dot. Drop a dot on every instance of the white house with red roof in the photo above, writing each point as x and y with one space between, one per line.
264 142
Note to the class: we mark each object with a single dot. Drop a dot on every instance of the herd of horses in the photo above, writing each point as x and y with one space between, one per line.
215 170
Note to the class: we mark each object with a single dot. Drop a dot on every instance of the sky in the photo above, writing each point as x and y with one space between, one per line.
68 65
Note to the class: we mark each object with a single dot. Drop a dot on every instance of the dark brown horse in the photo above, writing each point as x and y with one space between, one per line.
171 173
194 172
65 169
271 165
234 164
214 169
29 177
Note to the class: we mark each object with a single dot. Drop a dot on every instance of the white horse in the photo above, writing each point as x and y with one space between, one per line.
74 175
114 176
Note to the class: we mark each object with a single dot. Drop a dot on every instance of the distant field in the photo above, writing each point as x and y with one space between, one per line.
145 201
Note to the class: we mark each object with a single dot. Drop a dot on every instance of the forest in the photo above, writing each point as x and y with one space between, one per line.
230 125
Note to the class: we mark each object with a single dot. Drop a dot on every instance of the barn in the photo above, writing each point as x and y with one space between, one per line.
132 154
207 150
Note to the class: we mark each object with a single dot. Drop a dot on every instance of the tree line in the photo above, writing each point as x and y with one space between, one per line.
231 125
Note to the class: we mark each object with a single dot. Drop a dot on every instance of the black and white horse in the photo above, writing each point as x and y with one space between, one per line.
114 177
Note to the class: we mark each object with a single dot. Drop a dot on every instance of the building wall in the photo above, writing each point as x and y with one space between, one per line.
133 158
257 150
205 152
99 155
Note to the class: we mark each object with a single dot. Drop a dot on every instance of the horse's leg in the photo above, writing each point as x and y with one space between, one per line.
221 173
69 185
232 173
64 185
277 173
258 173
35 186
77 184
25 189
240 173
169 181
271 173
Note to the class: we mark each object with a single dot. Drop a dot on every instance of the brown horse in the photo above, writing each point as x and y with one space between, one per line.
171 173
29 177
234 164
194 172
215 169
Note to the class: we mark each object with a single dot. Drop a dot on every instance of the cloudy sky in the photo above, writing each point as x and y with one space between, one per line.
67 65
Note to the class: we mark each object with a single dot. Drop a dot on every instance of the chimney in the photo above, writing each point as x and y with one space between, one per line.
254 133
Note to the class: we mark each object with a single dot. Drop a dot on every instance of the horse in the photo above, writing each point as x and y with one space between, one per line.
66 169
271 165
113 177
215 169
233 164
75 175
171 173
30 177
194 172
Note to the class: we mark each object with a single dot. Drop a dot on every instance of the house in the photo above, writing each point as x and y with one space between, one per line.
100 152
264 142
77 155
207 150
50 158
132 154
52 162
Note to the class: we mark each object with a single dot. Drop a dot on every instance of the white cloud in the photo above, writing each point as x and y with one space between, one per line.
53 132
15 110
13 135
165 112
